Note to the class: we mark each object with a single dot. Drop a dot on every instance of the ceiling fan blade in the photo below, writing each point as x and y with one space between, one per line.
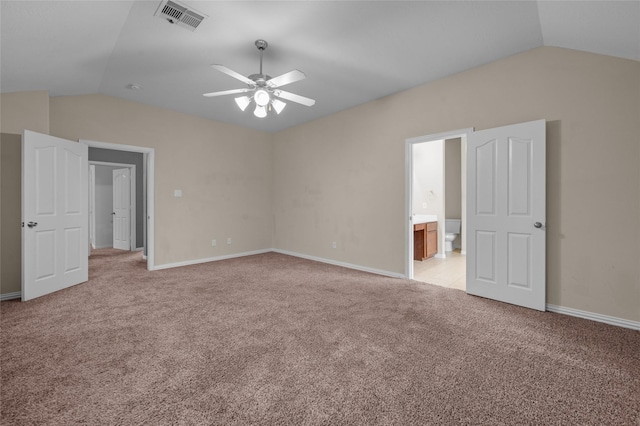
286 78
227 92
233 74
294 98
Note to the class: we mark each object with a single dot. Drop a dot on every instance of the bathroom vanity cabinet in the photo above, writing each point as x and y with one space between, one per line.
425 240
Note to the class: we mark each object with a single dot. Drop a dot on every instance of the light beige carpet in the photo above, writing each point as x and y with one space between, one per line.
273 340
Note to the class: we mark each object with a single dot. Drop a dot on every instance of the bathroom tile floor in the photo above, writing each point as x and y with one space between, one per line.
449 272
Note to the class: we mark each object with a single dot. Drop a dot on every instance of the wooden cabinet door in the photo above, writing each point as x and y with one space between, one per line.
419 243
432 243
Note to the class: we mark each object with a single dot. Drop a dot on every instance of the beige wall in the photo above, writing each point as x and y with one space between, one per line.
341 178
224 172
24 110
428 178
452 179
10 213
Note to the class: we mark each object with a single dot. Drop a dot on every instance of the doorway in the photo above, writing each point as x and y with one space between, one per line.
503 216
426 195
109 207
145 230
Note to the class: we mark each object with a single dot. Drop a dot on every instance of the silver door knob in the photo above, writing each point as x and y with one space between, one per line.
32 224
537 225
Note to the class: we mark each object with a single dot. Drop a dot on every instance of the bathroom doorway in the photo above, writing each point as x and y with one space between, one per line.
435 182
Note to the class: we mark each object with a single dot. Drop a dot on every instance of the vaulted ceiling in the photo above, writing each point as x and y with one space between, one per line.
351 51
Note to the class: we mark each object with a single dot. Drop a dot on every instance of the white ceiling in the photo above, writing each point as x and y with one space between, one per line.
352 51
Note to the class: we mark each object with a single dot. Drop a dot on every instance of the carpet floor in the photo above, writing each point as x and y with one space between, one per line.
276 340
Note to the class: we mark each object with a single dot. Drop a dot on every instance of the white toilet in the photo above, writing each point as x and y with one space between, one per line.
451 229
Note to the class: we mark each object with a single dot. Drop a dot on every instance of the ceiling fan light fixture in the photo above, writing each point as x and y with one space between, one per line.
261 97
263 90
260 111
278 105
243 102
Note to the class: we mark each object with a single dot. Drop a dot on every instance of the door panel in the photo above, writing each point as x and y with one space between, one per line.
520 177
45 176
519 249
486 198
73 173
54 206
486 256
506 193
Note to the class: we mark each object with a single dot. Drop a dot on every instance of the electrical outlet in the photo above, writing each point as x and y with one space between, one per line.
334 245
229 240
213 243
424 205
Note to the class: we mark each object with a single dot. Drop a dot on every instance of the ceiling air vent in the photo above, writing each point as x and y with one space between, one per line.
179 14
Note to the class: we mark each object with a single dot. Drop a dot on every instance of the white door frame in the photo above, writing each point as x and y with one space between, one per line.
148 175
408 167
133 244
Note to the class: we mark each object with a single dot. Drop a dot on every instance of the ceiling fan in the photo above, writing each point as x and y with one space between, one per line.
265 91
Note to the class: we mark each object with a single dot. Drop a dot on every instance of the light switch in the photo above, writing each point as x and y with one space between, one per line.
177 192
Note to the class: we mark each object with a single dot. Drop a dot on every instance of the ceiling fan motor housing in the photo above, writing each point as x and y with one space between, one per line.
261 44
260 79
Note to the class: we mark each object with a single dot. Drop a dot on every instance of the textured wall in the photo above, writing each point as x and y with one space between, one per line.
342 177
224 172
10 213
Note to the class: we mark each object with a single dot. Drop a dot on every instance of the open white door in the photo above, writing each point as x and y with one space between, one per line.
506 214
55 218
122 209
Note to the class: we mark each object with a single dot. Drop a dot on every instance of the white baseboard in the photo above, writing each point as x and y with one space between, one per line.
210 259
620 322
10 296
343 264
102 247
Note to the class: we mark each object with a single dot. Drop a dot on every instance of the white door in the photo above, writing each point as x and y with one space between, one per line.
121 209
55 219
506 214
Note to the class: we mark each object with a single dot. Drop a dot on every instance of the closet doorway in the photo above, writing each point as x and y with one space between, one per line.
118 156
114 206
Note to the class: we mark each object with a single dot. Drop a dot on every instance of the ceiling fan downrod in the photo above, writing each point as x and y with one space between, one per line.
261 45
